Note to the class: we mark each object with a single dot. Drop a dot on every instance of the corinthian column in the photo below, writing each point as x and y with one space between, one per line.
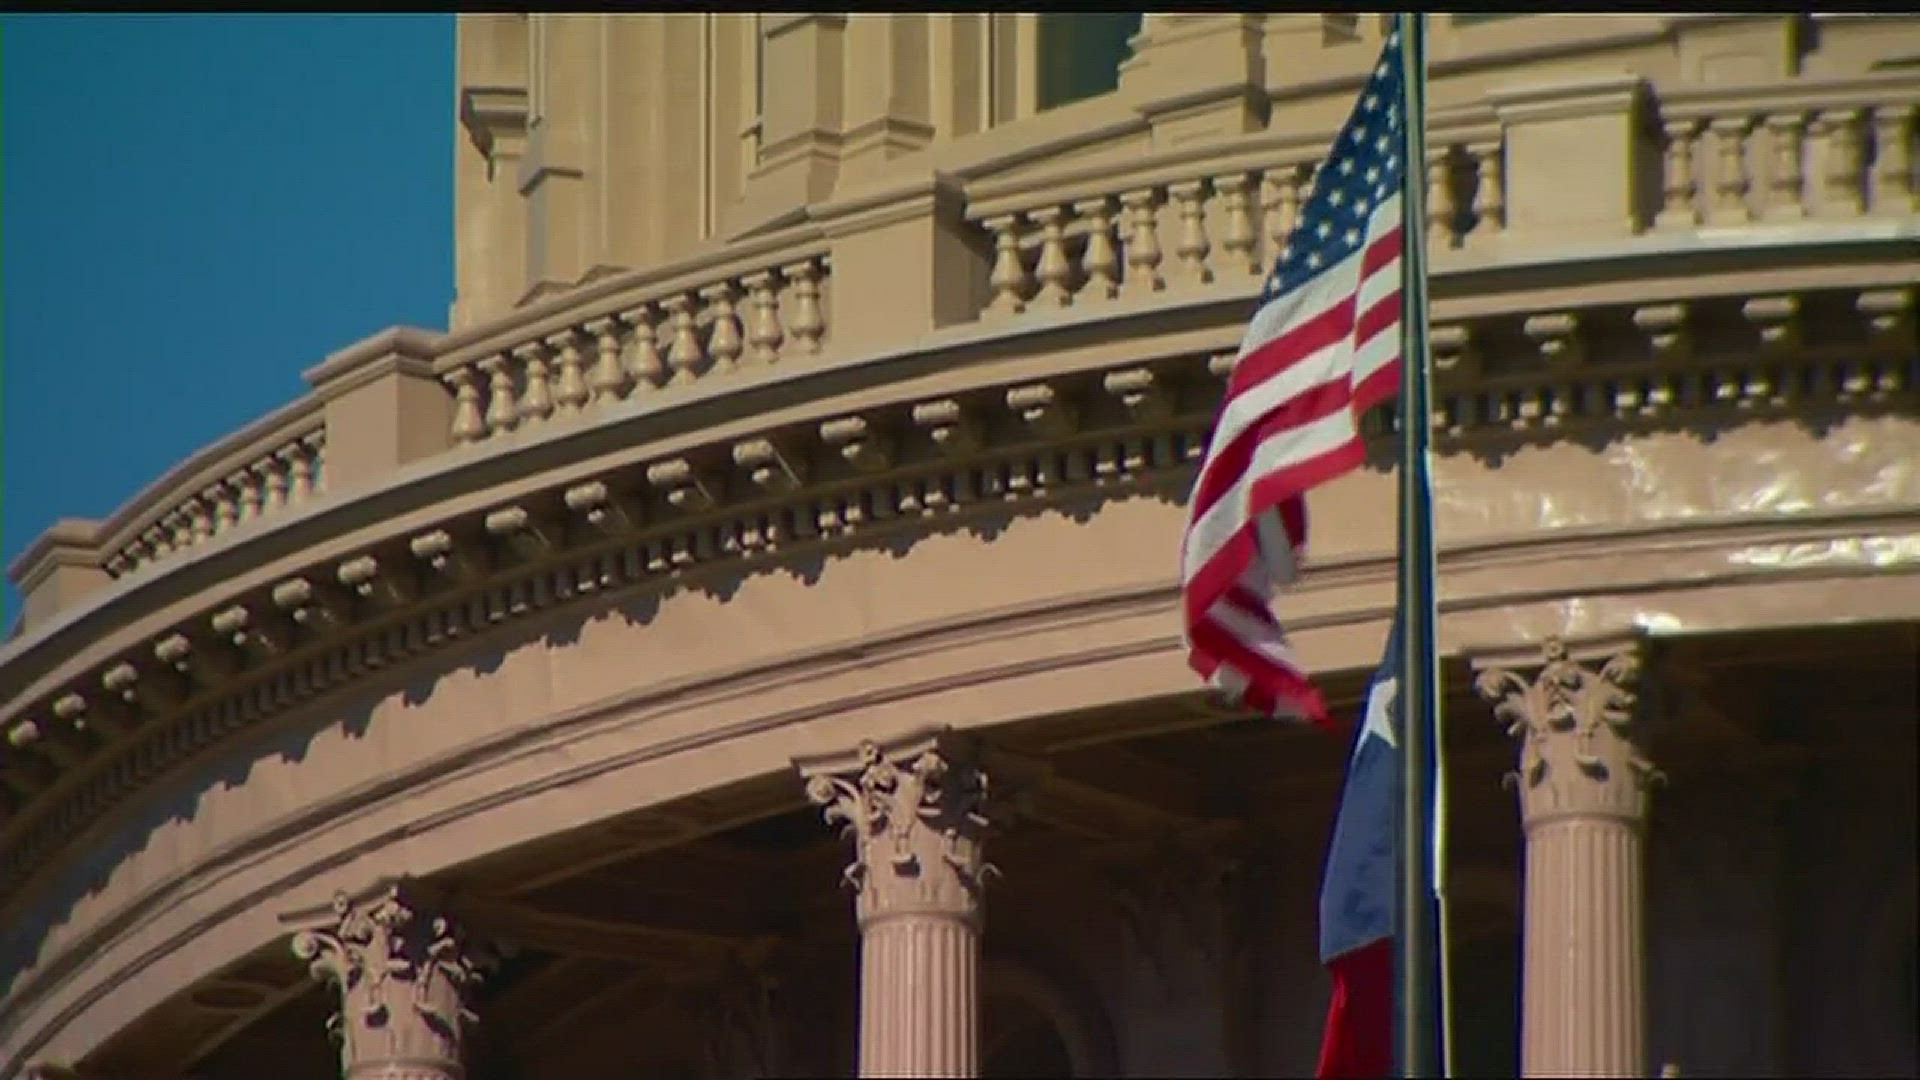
404 977
913 809
1583 804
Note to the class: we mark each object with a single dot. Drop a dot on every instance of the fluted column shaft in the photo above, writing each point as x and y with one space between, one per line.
913 811
1584 987
404 976
919 989
1583 803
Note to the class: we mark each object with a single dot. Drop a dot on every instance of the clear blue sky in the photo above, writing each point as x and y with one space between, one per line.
194 209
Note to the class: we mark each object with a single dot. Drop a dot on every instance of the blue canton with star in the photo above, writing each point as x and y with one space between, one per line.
1364 168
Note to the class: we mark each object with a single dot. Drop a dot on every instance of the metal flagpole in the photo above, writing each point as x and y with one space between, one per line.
1418 937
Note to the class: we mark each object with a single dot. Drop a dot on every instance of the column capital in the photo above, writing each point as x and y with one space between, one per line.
405 974
915 808
1573 710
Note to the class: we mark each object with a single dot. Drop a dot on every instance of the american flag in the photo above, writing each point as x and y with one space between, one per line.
1323 348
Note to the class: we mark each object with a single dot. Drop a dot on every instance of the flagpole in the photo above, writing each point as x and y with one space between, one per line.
1418 937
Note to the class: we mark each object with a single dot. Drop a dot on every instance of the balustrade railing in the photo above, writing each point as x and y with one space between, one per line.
641 341
276 463
1789 152
1071 239
1822 150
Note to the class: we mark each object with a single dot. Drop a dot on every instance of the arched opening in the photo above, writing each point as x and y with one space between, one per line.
1033 1049
1032 1025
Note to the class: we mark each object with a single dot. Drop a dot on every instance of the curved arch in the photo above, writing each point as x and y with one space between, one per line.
499 767
1074 1017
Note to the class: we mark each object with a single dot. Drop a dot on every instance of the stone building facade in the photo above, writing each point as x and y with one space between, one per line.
809 441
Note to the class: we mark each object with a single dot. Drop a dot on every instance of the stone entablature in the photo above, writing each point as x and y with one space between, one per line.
775 486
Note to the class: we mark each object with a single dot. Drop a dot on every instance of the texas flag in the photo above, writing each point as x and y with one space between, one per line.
1357 897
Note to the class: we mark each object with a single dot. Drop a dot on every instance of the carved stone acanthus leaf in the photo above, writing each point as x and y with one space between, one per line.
1577 752
405 977
916 820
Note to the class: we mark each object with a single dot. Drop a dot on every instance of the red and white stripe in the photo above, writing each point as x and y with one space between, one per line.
1313 361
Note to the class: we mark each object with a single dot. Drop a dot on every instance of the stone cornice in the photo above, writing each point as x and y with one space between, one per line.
493 113
1678 265
222 659
776 681
419 583
67 542
399 348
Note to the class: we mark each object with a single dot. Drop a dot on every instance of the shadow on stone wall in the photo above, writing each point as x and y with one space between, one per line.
130 829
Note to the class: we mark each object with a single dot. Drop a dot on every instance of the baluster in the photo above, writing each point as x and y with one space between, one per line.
315 454
1009 279
1143 244
571 392
248 493
1730 181
1786 132
644 365
808 323
724 343
1490 191
1101 260
1680 188
299 473
202 519
158 541
763 326
1239 238
1054 271
273 484
1840 130
1281 206
503 407
1442 209
537 403
685 356
607 380
1893 192
179 530
225 511
469 423
1192 250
